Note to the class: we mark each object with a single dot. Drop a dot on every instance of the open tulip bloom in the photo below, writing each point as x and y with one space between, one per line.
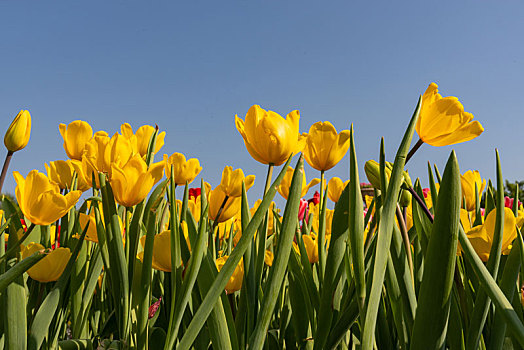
135 262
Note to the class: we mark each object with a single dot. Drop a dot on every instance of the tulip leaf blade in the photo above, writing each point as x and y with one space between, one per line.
277 272
431 320
384 233
227 270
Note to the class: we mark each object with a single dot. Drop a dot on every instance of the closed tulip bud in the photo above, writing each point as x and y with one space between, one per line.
372 170
75 136
17 135
285 184
324 146
231 182
185 171
40 200
269 138
235 281
50 268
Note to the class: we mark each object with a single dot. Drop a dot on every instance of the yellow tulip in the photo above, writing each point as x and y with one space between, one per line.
40 199
50 268
161 251
285 184
271 218
117 153
481 236
75 136
311 245
18 133
132 182
231 182
335 188
315 210
225 228
465 220
185 171
468 181
268 258
324 146
235 281
442 121
62 171
93 156
216 199
92 231
269 138
140 140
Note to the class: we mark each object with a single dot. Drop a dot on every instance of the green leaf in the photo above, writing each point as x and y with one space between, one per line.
489 285
19 268
385 231
47 310
429 330
227 270
482 302
278 270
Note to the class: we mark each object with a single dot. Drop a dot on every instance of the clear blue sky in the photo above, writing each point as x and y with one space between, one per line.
191 66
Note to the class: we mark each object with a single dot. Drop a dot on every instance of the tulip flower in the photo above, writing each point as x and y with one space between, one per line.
132 182
324 146
468 182
235 281
17 135
185 171
140 140
40 200
311 245
315 210
268 258
92 231
231 182
50 268
62 171
442 121
285 184
161 251
481 236
335 188
217 200
269 138
75 136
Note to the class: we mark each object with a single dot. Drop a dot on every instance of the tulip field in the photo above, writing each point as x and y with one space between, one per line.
99 253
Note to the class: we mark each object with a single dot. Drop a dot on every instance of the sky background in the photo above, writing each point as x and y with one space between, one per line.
191 66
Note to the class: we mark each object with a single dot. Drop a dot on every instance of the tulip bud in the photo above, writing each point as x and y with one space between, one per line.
17 136
372 169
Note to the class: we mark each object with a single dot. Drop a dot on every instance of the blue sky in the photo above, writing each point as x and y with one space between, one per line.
191 66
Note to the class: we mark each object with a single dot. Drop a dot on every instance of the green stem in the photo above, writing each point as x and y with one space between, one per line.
414 149
4 168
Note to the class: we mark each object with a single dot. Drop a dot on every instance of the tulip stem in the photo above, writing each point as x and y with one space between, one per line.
268 177
17 244
222 206
405 239
421 203
4 168
413 150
